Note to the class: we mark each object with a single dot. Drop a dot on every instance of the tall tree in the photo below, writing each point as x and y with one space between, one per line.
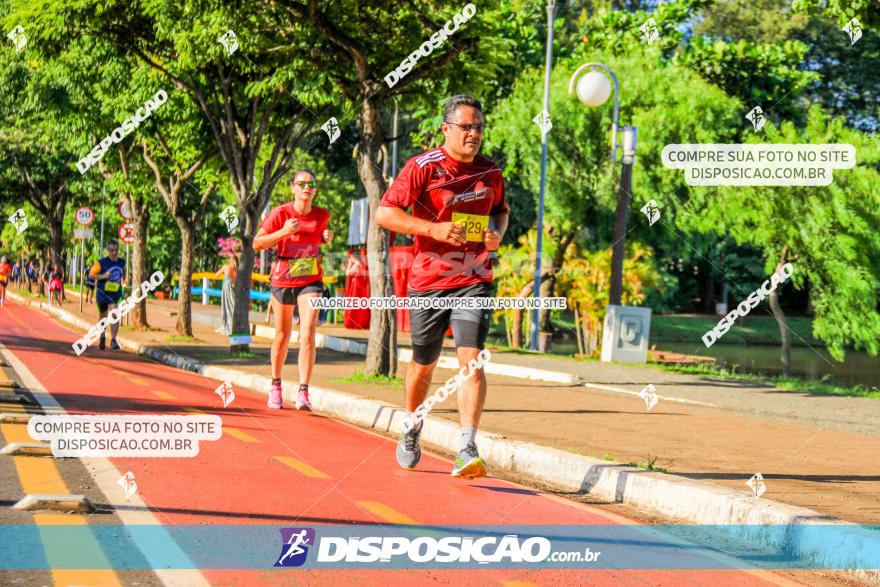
258 101
828 233
365 72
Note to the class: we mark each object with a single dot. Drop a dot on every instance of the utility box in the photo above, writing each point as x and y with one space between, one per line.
625 336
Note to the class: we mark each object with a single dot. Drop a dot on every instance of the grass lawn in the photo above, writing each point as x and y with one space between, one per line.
793 384
751 330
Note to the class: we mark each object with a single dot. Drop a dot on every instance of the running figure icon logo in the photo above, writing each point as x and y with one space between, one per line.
854 30
756 116
756 482
229 42
649 31
19 39
652 211
230 216
331 127
294 549
226 393
19 220
543 122
649 394
128 483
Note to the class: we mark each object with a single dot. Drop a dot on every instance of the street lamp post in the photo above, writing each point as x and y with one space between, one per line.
548 64
593 89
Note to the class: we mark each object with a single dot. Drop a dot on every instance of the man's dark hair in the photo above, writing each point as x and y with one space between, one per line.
303 170
112 242
460 100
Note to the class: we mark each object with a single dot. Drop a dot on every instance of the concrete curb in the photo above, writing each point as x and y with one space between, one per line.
696 502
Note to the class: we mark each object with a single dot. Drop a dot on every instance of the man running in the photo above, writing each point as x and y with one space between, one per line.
108 274
459 216
297 229
5 272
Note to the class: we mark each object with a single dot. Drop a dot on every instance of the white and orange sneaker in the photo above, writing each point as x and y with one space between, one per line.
302 399
275 400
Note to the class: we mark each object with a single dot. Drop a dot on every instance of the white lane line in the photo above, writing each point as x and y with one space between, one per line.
663 397
132 511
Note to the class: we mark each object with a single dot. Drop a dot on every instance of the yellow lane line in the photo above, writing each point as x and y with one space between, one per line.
236 433
139 381
165 395
380 510
239 434
40 475
301 467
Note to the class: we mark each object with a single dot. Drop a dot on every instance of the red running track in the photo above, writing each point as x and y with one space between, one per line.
293 468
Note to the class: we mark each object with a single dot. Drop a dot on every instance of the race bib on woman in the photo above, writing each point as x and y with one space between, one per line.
302 266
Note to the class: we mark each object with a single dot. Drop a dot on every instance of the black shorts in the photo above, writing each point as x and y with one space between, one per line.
469 327
105 305
288 295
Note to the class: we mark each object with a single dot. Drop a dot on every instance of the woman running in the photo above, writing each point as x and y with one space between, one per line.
5 272
297 230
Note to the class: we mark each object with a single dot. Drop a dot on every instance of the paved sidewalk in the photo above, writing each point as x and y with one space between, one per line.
832 470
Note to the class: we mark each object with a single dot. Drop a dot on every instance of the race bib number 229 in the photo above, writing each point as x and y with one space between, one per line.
474 224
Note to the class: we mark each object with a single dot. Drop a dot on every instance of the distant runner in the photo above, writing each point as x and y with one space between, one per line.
108 274
5 272
459 215
297 229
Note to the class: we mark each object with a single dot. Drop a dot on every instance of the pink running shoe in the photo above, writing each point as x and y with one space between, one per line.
275 396
302 400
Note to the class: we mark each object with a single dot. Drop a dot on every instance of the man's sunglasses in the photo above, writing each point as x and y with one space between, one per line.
469 127
311 183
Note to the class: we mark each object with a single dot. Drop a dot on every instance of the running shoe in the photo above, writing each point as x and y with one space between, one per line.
114 345
468 463
275 401
302 400
102 343
408 450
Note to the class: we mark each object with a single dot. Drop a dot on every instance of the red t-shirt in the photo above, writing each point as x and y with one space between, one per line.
299 255
5 272
441 189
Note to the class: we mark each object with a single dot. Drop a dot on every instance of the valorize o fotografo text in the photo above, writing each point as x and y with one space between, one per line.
748 304
127 127
116 314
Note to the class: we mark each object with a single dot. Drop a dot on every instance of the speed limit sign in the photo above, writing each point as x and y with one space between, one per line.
123 210
84 216
126 233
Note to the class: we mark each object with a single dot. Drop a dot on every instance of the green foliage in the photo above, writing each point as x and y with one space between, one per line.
842 10
828 232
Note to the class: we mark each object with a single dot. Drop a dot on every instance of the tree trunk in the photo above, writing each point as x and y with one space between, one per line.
548 288
56 242
776 308
184 298
516 330
382 344
707 289
519 315
241 315
140 210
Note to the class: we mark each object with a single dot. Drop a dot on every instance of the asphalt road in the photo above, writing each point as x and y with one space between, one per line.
283 468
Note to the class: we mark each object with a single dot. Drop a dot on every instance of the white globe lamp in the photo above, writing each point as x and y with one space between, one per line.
593 89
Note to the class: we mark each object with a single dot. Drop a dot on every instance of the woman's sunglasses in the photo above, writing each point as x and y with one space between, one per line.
311 183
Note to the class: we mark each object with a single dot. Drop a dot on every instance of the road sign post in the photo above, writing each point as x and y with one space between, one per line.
126 235
82 262
83 216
